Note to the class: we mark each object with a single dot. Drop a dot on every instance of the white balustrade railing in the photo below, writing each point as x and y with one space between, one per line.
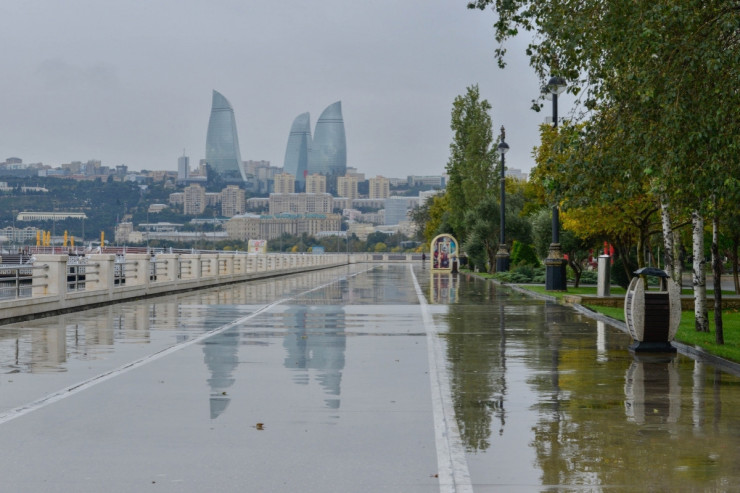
61 282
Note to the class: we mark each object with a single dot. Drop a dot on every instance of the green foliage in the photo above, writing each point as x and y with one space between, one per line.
483 224
380 247
523 274
619 273
523 254
589 277
470 166
541 231
102 202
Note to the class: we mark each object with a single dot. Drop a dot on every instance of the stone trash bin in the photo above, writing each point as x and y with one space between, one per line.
652 316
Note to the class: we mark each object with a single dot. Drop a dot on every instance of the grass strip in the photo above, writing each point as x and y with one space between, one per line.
686 333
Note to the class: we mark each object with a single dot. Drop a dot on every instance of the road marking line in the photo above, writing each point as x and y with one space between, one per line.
453 473
86 384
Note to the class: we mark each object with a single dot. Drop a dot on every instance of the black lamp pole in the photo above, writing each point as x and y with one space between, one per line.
502 255
555 275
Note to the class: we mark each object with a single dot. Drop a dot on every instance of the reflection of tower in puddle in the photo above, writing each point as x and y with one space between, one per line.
652 390
317 342
220 354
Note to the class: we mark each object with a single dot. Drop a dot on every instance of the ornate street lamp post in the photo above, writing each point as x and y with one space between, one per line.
502 255
555 279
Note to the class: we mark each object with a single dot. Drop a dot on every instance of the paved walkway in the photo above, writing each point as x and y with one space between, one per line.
318 382
354 379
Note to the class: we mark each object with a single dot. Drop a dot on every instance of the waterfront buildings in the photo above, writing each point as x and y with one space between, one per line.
300 203
347 186
284 183
379 188
232 201
11 234
183 168
252 226
397 209
435 181
258 204
298 149
49 216
426 195
222 142
315 183
194 200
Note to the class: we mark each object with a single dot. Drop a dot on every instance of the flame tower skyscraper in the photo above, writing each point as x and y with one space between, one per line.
222 142
329 150
298 149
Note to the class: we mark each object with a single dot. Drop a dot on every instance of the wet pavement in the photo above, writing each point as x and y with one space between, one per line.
360 378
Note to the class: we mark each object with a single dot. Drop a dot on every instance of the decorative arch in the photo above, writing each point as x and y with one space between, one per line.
443 252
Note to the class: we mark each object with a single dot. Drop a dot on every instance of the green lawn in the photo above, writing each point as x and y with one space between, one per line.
591 290
583 290
686 333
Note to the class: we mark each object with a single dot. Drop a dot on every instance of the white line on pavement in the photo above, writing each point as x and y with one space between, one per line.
453 473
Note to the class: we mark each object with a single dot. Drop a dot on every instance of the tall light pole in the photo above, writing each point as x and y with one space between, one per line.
555 275
502 255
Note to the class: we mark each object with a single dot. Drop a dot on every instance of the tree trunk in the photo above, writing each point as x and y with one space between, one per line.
735 247
667 238
717 274
624 255
678 258
491 259
699 278
577 271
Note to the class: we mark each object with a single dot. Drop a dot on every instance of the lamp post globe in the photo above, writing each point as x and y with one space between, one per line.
555 273
502 255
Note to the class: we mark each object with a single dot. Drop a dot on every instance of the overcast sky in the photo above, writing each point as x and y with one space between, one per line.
129 82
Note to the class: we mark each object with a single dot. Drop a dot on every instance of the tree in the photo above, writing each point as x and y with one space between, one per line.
622 212
431 218
576 246
472 158
483 223
380 247
659 75
523 254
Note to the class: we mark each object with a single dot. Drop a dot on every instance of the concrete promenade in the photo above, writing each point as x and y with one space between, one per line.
358 378
312 382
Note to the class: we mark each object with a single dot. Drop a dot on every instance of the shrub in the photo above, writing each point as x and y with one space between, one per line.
619 276
589 277
523 254
523 274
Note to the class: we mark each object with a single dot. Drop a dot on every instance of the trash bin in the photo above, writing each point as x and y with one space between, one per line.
652 316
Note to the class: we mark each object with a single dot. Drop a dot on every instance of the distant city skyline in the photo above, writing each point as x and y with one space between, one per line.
123 84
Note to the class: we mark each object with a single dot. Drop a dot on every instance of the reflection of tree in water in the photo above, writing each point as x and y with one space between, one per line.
317 342
220 354
475 350
617 421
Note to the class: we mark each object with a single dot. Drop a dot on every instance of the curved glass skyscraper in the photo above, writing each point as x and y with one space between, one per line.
298 149
329 150
222 142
